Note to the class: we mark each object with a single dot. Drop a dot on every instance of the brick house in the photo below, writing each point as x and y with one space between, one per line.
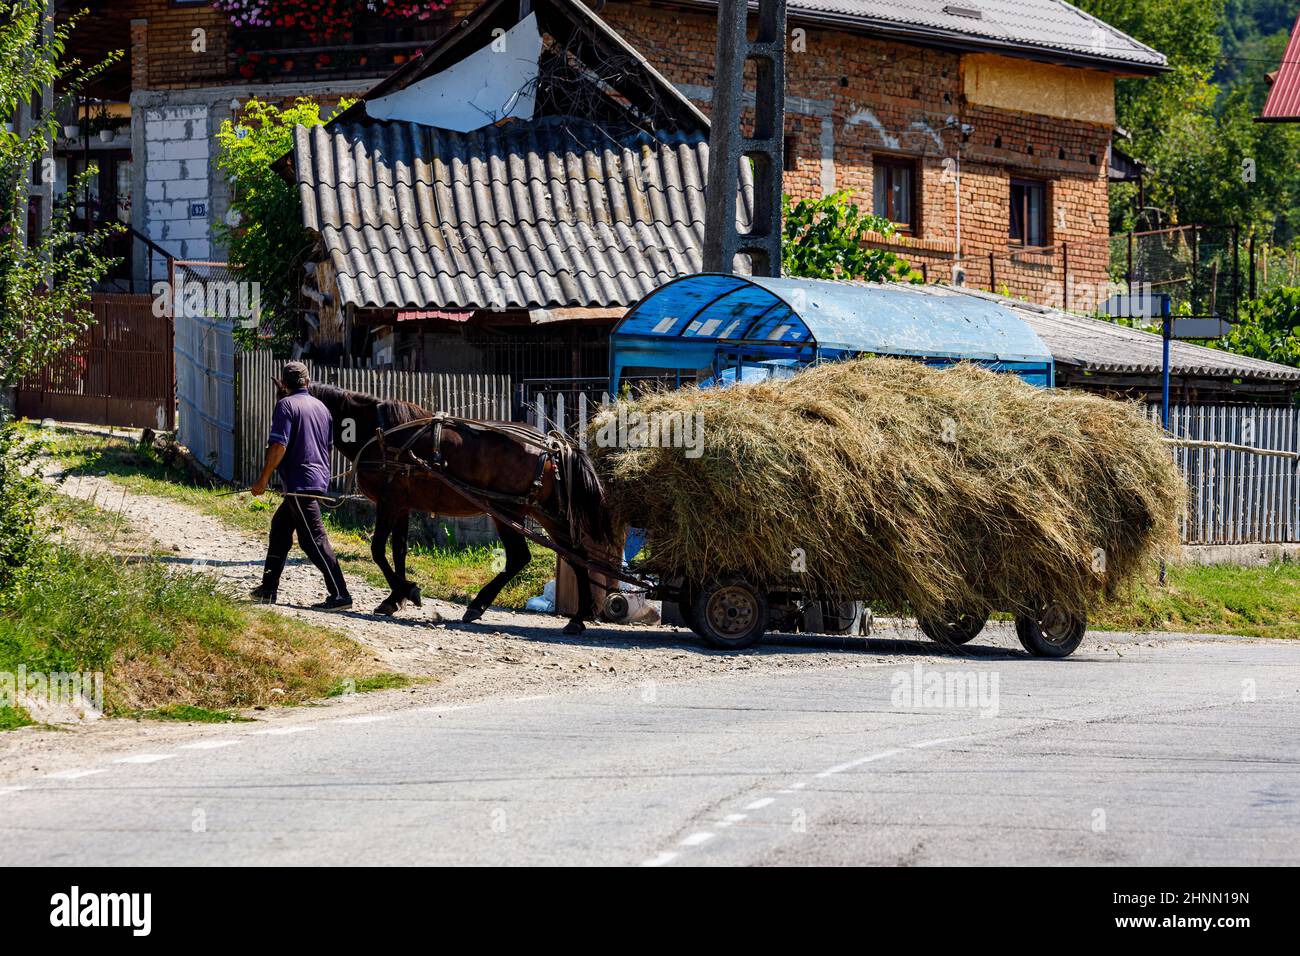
982 128
895 100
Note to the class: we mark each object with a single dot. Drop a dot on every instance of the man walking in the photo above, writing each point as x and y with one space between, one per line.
299 447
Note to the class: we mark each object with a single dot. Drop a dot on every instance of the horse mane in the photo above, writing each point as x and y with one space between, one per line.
396 412
584 498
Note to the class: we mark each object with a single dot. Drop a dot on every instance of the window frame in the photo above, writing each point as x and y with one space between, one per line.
1025 184
891 161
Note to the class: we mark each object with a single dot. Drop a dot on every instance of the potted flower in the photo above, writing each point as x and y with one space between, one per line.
71 130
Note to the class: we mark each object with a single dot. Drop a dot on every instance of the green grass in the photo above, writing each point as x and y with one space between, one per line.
11 718
165 638
1254 602
362 685
187 713
446 573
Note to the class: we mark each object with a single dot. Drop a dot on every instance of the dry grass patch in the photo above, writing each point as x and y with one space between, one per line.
164 638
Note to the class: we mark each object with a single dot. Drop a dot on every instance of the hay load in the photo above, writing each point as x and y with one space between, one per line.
926 491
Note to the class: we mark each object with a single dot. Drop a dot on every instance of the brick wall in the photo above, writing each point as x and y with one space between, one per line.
851 98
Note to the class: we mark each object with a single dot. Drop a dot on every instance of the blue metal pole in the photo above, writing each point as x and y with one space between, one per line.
1164 393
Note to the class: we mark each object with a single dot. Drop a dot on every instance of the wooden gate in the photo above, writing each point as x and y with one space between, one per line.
118 372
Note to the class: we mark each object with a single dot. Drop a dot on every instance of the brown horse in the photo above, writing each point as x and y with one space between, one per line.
405 463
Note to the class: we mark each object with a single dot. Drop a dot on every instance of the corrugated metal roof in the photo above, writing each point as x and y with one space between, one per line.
1283 103
1100 346
556 212
1049 26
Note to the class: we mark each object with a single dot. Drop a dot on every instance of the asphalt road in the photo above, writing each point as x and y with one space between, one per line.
1186 752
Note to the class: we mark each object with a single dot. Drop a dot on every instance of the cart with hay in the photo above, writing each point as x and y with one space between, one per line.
947 494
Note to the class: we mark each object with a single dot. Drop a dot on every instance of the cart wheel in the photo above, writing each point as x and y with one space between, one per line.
954 629
1051 632
730 613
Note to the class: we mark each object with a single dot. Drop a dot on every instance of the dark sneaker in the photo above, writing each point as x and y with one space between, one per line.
263 594
339 602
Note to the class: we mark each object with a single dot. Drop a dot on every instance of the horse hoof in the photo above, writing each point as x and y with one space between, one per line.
471 615
413 595
574 627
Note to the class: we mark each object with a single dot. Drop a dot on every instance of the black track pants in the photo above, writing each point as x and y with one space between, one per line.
303 516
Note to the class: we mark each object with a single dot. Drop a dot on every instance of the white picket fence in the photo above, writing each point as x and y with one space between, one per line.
1237 496
468 395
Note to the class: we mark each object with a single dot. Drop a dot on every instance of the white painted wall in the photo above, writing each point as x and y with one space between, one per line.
178 149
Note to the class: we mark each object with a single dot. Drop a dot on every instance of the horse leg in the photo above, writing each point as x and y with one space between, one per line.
560 535
401 530
379 552
576 625
517 558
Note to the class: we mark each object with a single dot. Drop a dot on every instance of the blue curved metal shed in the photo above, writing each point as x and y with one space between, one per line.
716 321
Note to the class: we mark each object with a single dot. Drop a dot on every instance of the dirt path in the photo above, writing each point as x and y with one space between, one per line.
505 652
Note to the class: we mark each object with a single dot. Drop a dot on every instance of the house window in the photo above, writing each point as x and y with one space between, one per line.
1028 212
894 184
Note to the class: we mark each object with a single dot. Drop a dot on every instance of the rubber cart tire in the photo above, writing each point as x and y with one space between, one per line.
730 613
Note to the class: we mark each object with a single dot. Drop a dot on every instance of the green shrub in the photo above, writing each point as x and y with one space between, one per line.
1269 328
22 493
824 239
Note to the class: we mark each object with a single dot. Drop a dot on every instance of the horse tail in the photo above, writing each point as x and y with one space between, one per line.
583 495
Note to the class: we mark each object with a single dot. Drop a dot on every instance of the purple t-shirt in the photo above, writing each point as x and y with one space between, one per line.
303 424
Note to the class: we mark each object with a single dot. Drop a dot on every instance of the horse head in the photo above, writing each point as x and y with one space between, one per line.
355 416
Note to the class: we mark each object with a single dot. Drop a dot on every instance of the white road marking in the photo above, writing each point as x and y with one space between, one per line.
4 790
869 758
144 758
210 744
281 731
703 836
363 719
74 774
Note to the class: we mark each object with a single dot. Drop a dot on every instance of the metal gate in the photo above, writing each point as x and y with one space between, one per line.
118 371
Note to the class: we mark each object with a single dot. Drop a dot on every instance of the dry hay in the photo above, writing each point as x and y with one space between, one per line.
920 489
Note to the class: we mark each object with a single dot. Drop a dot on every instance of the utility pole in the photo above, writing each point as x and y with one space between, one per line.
728 144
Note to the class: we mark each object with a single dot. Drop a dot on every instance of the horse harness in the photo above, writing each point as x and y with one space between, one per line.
402 459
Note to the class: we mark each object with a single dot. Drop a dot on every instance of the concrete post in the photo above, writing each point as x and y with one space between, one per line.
728 145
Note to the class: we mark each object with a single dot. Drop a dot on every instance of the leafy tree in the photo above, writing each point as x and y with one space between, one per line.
1194 126
1269 328
824 239
266 239
44 280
